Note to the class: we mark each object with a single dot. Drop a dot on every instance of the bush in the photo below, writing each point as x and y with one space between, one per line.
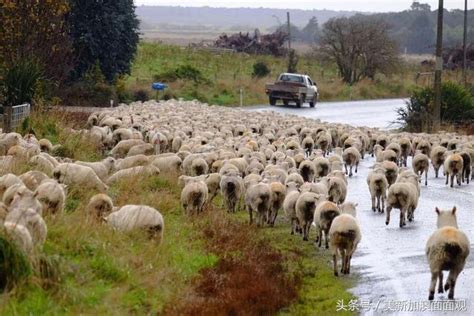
20 83
457 105
185 72
141 95
260 70
293 60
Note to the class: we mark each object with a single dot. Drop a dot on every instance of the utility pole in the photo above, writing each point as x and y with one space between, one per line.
436 113
289 31
464 46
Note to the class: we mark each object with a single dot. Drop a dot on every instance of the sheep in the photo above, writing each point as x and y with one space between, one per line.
99 206
447 250
308 145
101 168
199 167
32 179
168 164
351 157
41 163
453 167
437 158
258 199
406 149
76 175
323 217
421 164
295 178
404 196
194 196
20 236
387 155
123 147
344 235
378 185
324 142
134 172
52 196
304 208
7 181
32 221
466 172
337 189
322 167
307 170
130 162
231 189
142 217
141 149
11 192
277 197
289 205
45 145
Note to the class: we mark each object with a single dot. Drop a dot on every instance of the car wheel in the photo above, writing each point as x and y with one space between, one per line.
285 102
272 101
313 102
300 102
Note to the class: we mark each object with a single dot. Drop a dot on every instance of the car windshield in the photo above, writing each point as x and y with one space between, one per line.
291 78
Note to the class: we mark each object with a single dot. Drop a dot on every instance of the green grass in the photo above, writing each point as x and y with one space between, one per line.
225 74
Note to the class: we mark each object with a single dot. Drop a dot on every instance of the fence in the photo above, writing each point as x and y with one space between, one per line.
14 116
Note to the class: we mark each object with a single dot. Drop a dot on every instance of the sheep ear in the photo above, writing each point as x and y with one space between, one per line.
454 210
437 211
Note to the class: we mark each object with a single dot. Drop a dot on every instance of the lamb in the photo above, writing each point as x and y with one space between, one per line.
277 197
101 168
307 170
133 217
52 196
323 218
437 158
322 167
100 205
193 197
304 208
404 196
140 171
258 199
76 175
421 164
378 186
344 237
351 157
453 167
447 250
231 190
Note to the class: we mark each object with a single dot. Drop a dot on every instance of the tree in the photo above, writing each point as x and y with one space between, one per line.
293 60
310 33
35 31
421 39
360 46
104 31
418 6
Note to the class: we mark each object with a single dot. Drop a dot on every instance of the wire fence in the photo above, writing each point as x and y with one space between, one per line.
11 119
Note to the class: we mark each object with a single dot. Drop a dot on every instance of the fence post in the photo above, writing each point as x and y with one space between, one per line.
7 119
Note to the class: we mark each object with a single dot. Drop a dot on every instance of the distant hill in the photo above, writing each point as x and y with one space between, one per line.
229 18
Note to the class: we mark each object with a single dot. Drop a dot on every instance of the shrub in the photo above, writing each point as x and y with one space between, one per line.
141 95
20 83
260 70
184 72
293 60
457 105
14 266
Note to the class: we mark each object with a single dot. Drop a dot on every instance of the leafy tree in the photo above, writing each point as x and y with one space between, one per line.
36 30
421 39
311 32
104 31
418 6
360 46
293 60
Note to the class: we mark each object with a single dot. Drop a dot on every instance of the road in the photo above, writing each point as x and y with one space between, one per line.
373 113
390 263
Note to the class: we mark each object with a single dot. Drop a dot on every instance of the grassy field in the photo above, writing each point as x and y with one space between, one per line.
224 74
214 263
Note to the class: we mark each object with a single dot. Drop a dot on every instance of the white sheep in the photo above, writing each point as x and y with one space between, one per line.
421 164
32 179
134 172
378 186
453 167
337 189
30 219
351 157
404 196
289 205
231 189
138 217
258 199
101 168
80 176
304 208
7 181
170 163
194 196
344 237
99 206
437 158
130 162
447 250
277 197
20 236
52 196
322 167
323 217
41 163
307 170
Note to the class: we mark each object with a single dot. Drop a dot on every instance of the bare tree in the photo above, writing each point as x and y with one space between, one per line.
360 46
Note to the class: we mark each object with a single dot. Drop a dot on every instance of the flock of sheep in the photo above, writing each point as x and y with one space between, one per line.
260 162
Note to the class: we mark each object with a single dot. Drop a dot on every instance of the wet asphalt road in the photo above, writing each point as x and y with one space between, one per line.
390 263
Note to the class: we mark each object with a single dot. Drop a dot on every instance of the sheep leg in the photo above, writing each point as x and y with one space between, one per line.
357 166
350 171
343 261
447 178
326 237
402 217
383 204
345 167
320 237
436 171
440 283
434 278
389 209
292 226
334 260
373 203
458 178
426 177
452 180
305 231
250 215
451 282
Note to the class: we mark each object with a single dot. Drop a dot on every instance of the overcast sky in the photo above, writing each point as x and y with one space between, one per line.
353 5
